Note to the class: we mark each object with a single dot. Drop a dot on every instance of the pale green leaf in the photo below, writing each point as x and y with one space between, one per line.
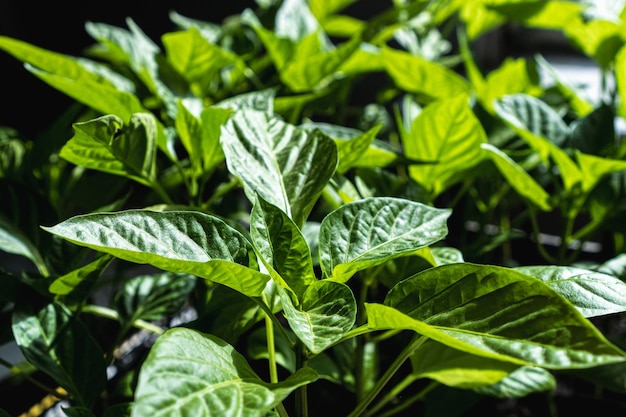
594 168
420 76
328 311
13 240
206 66
448 133
66 74
518 178
176 241
191 373
592 293
456 368
79 282
282 247
369 232
288 166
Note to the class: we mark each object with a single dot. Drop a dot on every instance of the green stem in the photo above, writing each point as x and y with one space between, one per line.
302 409
109 313
409 401
542 251
389 373
30 379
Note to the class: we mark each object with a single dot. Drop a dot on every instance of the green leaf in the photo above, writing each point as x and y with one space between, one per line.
594 168
596 38
324 8
448 133
56 343
592 293
518 178
456 368
153 297
190 373
12 240
327 312
67 75
282 247
176 241
351 151
78 412
78 283
287 166
543 130
420 76
512 77
369 232
523 381
105 144
310 71
495 312
206 66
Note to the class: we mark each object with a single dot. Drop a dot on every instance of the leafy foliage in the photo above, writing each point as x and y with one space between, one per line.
291 196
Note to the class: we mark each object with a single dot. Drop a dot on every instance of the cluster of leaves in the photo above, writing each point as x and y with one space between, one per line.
286 179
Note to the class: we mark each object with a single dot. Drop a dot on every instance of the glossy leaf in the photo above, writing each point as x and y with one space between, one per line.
592 293
176 241
190 373
153 297
106 144
287 166
523 381
518 178
420 76
327 312
56 343
369 232
449 134
282 247
495 312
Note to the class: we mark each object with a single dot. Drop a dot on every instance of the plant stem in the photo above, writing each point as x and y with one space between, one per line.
26 376
393 368
302 409
409 401
109 313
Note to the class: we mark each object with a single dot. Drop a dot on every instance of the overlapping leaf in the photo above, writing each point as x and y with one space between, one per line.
190 373
369 232
497 313
175 241
593 293
327 312
287 166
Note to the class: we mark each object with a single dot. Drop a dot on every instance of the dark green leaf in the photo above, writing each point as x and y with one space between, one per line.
56 343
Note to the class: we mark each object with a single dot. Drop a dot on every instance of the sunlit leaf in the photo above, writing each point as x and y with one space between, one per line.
176 241
190 373
593 293
282 247
288 166
369 232
327 312
521 382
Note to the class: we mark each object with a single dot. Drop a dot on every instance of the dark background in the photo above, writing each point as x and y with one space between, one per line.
27 103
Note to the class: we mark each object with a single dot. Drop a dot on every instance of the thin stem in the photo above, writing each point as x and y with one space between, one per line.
109 313
389 373
302 408
542 251
26 376
393 393
410 401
